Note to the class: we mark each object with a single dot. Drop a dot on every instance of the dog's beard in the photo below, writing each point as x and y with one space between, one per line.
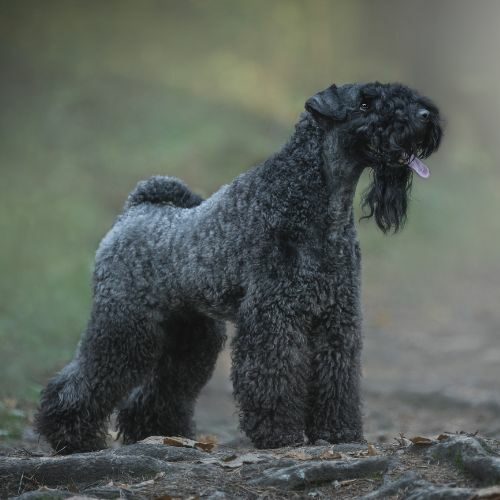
386 198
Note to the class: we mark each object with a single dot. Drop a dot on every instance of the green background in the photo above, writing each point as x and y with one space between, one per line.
95 95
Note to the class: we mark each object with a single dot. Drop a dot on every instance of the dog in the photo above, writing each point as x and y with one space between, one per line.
275 252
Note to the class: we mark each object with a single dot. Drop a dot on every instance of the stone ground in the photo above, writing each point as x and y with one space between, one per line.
450 466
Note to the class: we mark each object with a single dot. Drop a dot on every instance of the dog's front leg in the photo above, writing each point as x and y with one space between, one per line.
334 412
270 371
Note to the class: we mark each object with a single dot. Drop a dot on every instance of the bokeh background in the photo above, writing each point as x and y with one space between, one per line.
95 95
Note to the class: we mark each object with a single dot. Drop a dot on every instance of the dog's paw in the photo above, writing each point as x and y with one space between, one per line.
281 440
341 436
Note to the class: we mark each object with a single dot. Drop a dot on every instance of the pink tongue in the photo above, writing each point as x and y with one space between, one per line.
419 167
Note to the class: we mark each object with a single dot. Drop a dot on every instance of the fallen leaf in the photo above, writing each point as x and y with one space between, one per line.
331 455
422 441
144 484
207 443
443 437
153 440
297 455
204 446
188 443
346 482
209 438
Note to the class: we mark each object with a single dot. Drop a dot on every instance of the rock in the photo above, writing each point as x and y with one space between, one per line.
236 461
78 468
485 469
44 494
216 495
413 487
456 446
405 482
432 492
313 472
470 454
160 451
492 493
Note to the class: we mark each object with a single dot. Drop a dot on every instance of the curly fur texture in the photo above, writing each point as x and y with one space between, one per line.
276 252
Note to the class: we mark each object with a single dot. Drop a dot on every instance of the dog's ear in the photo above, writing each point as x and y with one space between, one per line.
326 106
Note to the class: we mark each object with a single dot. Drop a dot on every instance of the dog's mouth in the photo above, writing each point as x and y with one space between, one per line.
416 164
410 160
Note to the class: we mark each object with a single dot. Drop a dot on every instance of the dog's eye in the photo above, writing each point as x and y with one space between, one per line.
364 106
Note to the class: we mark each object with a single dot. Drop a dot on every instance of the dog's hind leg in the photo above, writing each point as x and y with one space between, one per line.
117 350
164 403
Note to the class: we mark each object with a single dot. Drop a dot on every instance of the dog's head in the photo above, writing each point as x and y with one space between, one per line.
388 127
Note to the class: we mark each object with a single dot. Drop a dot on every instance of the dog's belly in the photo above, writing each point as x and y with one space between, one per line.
212 282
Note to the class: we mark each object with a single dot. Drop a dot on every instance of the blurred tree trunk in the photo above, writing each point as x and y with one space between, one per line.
448 50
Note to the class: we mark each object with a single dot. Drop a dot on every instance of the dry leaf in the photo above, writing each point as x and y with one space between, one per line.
297 455
209 438
347 482
153 440
208 442
188 443
443 437
204 446
331 455
144 484
422 441
178 441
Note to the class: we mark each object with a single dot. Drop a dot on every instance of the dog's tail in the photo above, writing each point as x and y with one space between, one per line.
162 190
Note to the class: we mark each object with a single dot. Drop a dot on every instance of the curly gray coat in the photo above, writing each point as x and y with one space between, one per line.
275 252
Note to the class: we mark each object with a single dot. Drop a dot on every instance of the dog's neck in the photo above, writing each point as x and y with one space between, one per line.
342 189
325 155
341 177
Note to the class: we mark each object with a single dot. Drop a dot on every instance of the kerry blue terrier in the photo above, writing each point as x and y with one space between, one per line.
276 252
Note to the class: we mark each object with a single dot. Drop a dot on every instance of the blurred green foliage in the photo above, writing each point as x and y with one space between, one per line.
96 95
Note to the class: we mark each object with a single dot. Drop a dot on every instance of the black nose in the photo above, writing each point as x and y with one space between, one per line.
424 114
